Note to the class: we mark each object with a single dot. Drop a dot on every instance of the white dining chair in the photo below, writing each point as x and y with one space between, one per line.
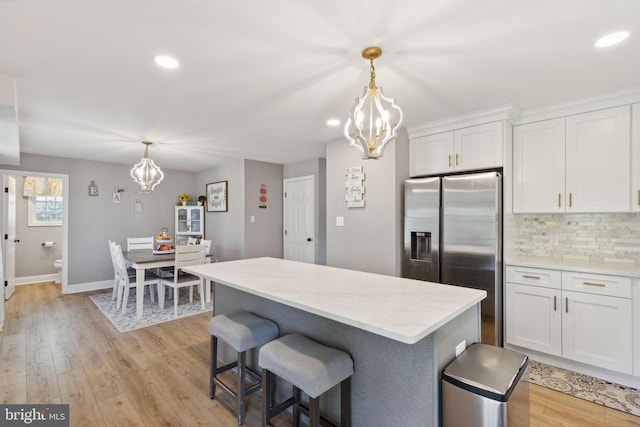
186 255
116 276
125 282
115 270
207 246
134 243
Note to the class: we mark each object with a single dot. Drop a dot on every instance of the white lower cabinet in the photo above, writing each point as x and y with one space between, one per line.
596 330
532 320
545 313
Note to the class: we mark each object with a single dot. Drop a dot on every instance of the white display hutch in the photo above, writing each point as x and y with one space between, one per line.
189 222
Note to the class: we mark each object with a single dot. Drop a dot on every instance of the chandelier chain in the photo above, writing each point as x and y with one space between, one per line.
372 82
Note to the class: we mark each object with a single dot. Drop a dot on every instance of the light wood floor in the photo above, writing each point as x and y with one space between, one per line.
60 349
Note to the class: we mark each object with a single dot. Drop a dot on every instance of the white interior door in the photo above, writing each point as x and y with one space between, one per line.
299 221
1 299
10 237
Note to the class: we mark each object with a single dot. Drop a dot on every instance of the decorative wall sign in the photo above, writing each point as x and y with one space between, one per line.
93 189
354 187
117 198
263 197
217 197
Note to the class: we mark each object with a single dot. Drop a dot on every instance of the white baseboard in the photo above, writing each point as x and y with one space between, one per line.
28 280
604 374
90 286
71 289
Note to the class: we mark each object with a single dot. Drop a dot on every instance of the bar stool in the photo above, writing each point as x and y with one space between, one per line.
308 366
242 331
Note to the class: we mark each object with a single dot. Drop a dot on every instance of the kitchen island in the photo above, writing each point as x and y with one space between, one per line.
400 332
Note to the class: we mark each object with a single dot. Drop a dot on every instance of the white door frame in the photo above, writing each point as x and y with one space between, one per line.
65 219
284 212
9 240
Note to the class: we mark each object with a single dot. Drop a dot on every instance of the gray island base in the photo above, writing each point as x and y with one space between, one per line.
401 333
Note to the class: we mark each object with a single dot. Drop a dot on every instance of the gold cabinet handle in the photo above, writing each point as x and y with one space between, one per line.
602 285
449 160
566 304
526 276
555 303
559 200
457 159
570 200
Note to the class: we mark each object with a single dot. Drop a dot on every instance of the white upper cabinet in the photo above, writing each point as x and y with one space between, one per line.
471 148
575 164
431 154
635 158
598 168
478 147
538 173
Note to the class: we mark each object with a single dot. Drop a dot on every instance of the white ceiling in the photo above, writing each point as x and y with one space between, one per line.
260 78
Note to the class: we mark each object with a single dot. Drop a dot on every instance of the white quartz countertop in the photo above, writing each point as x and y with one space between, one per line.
621 269
401 309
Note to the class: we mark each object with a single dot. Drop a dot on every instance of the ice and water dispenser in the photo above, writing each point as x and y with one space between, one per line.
421 245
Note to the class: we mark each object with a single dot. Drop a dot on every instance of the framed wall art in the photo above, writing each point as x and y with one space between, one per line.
217 197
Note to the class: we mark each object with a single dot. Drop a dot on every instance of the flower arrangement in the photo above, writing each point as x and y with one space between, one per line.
183 199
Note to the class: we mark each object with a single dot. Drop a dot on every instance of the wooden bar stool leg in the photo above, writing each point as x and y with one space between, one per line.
272 391
345 403
241 389
314 412
267 396
214 364
295 410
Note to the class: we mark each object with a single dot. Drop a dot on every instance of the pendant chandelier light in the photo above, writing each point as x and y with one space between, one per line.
146 173
375 119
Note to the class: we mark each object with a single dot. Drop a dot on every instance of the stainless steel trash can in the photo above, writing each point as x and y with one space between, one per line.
484 387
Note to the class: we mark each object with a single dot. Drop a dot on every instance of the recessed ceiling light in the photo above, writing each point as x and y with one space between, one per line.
611 39
166 61
333 122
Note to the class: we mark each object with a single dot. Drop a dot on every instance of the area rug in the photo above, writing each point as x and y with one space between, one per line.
152 314
595 390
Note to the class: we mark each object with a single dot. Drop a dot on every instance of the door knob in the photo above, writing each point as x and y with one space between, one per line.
308 239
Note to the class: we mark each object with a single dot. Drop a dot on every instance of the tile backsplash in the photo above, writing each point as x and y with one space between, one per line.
589 237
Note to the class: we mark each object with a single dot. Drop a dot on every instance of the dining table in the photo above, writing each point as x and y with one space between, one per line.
146 259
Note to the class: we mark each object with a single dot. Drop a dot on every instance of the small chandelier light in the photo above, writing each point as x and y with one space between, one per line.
375 119
146 173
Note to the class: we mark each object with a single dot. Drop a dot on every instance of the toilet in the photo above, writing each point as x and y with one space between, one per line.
58 266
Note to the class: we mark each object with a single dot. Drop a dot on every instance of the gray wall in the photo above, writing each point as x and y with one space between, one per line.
94 220
317 168
225 229
370 240
232 234
264 236
371 237
32 259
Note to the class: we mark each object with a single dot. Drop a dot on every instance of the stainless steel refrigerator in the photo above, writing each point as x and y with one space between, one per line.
453 235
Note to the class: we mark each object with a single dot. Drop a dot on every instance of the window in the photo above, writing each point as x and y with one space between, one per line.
45 211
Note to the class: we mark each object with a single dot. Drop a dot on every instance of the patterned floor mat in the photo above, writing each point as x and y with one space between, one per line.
595 390
152 314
